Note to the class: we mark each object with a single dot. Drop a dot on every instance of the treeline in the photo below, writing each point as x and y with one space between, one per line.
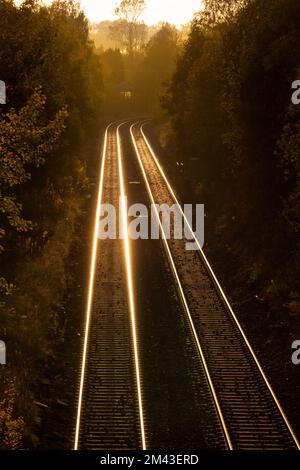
138 60
234 127
142 72
48 130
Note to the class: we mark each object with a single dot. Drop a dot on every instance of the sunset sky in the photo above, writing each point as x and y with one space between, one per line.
173 11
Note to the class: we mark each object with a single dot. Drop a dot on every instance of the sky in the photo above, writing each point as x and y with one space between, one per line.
173 11
177 12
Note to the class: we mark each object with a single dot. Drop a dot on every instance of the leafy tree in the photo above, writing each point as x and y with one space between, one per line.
11 428
24 141
288 154
130 10
156 68
129 30
113 64
218 11
49 131
233 126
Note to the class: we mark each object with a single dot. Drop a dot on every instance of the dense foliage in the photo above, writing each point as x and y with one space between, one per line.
231 126
54 98
144 73
237 132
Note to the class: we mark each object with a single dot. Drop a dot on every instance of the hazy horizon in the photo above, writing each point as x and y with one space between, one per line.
171 11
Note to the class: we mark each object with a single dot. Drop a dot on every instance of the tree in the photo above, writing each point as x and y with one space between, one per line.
157 67
129 30
233 125
24 142
216 11
49 66
130 10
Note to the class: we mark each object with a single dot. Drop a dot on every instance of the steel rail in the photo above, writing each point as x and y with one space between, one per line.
184 301
221 292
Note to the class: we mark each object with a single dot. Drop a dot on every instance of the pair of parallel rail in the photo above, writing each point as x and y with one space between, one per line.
244 410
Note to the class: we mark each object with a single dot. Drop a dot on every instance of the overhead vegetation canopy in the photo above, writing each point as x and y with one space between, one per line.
53 107
237 131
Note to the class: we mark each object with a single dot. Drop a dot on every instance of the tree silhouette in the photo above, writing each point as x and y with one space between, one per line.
129 30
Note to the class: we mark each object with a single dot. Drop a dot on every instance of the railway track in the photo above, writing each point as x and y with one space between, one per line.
109 408
250 414
238 407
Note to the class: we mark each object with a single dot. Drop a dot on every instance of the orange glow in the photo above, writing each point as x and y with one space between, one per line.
183 298
130 287
222 292
90 289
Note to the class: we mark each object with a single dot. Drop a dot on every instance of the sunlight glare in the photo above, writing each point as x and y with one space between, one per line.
177 12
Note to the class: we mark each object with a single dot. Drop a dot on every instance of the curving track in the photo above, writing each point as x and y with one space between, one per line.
251 416
239 408
109 408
